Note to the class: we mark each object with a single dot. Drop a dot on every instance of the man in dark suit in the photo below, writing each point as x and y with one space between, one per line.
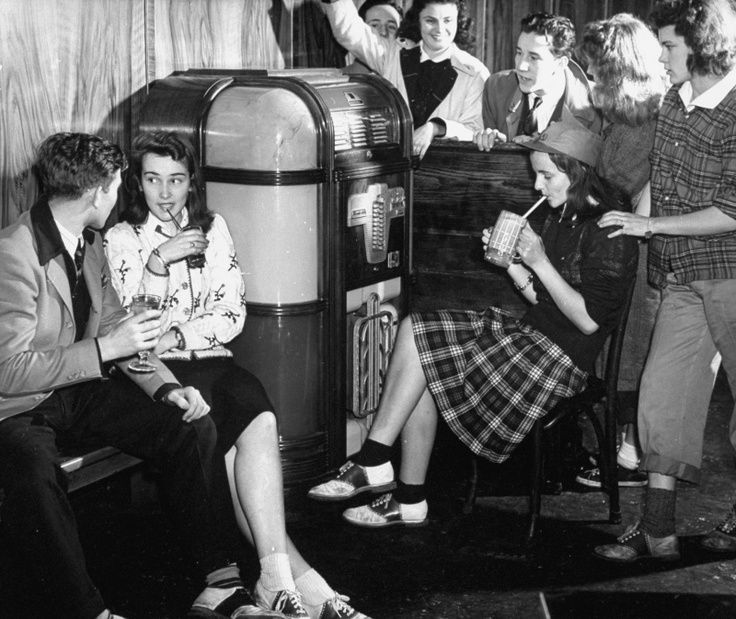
65 345
544 82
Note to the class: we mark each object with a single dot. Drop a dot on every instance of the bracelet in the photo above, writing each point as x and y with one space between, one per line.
525 285
181 343
152 272
158 255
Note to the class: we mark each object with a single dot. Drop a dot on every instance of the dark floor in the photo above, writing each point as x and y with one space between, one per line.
459 566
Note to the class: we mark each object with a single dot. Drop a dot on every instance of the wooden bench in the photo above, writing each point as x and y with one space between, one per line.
86 468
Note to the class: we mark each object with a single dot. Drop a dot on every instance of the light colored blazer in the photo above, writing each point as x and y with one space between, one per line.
37 349
460 110
502 101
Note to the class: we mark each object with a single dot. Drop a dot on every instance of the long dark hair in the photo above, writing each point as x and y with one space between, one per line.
165 144
584 184
464 37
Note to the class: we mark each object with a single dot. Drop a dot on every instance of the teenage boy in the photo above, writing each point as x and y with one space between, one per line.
544 82
692 258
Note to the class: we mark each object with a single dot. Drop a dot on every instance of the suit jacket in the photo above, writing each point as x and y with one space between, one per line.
502 101
37 331
460 110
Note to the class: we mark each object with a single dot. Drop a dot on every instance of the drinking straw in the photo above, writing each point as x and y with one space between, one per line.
535 205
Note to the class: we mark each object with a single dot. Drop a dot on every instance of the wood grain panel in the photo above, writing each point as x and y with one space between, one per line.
66 67
458 191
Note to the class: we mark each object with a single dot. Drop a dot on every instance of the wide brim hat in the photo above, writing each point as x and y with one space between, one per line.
568 136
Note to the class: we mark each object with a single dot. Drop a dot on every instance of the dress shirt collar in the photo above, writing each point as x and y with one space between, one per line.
446 55
711 97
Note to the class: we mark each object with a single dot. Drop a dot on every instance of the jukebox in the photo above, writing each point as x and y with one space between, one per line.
312 171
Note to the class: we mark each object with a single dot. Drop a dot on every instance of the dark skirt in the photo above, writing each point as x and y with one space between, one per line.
235 396
491 376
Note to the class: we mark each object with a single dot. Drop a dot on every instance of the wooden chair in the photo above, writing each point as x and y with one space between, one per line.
600 391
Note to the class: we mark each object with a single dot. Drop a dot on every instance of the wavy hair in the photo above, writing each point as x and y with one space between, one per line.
68 164
584 184
464 38
165 144
559 30
709 30
630 80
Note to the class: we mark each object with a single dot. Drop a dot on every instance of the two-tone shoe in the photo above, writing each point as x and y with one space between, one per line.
386 511
723 537
354 479
635 545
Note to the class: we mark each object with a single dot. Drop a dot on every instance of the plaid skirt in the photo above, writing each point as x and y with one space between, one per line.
491 376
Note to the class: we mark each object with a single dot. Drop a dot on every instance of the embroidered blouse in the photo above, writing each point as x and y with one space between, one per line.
207 304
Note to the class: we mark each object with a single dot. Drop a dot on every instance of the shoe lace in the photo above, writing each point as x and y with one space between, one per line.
729 522
345 468
293 599
382 501
339 603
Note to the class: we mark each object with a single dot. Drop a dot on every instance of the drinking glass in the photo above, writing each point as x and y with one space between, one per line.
142 303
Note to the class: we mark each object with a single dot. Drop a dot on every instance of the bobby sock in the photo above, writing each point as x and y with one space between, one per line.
373 453
314 589
659 512
276 572
627 456
409 493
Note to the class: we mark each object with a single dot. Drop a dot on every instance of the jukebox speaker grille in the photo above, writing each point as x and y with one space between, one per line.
373 341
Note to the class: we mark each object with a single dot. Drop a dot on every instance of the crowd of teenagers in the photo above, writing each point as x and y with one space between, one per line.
633 147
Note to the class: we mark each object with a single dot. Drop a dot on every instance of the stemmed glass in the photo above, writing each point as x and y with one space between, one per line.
141 303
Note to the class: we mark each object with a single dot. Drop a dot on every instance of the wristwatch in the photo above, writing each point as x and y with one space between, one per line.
648 233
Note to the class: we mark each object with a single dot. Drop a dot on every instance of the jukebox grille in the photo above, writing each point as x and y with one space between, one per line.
360 129
373 341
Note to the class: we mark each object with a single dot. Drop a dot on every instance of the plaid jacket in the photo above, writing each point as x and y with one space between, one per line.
693 168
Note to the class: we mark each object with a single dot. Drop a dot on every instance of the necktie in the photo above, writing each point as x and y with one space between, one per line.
79 258
530 122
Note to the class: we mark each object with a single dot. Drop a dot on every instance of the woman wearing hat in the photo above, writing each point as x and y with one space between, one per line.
488 375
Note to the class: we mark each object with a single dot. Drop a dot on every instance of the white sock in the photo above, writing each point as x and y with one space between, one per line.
314 589
414 511
276 573
627 456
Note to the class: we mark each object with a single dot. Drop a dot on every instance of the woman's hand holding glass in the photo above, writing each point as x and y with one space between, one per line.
530 247
187 242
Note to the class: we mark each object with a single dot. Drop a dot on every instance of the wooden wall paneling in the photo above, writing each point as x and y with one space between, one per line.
65 67
504 24
220 34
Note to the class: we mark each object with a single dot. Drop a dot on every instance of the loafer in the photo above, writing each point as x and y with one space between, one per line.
336 608
386 511
723 537
354 479
636 544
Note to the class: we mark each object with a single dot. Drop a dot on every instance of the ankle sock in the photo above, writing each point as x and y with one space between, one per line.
409 493
373 453
276 572
314 589
627 456
659 512
225 578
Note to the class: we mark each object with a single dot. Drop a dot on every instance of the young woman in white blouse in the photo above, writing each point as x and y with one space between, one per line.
151 251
